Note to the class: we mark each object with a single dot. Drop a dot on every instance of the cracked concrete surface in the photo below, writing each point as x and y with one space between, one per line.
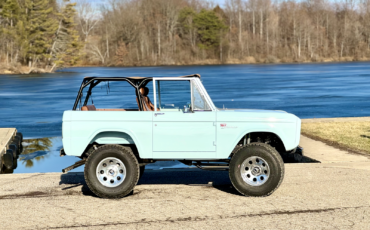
312 196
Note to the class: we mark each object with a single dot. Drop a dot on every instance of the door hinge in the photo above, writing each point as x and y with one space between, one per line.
214 123
214 143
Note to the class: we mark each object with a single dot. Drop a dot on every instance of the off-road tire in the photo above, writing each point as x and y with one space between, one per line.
128 159
272 158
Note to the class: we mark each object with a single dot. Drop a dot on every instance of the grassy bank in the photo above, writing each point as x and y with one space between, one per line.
351 134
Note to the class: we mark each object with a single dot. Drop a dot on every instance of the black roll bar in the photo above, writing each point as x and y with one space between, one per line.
136 82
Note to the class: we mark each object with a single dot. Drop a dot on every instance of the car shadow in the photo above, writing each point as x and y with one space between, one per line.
297 158
191 177
73 180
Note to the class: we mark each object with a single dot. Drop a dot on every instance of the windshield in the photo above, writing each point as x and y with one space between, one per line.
175 95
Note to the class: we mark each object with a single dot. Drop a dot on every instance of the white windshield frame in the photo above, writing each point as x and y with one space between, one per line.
194 80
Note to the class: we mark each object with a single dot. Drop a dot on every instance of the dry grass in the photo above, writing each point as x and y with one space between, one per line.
351 135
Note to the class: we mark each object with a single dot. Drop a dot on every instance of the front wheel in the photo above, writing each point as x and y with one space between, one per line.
111 171
256 169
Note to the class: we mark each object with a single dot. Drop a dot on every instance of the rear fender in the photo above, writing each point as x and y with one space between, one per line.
113 137
106 138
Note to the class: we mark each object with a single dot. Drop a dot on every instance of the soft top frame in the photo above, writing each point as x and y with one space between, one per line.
136 82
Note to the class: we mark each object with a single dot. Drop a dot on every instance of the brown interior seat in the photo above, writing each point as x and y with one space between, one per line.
93 108
88 108
110 109
145 101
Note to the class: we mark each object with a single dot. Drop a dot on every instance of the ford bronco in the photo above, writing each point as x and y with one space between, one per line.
174 120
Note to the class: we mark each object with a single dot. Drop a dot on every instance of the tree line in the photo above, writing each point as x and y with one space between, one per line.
175 32
40 34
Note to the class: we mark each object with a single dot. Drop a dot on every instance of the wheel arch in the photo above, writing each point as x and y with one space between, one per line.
268 137
113 137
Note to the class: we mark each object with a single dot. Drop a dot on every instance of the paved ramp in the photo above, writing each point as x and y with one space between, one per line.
330 195
312 196
326 154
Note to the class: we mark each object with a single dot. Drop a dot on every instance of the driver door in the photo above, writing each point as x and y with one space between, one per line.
181 130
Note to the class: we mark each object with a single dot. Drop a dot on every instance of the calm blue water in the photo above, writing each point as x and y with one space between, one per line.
34 104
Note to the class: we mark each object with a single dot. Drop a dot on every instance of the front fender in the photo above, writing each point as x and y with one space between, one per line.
228 138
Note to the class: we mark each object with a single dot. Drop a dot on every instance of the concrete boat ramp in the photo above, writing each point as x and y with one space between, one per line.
333 194
10 148
6 136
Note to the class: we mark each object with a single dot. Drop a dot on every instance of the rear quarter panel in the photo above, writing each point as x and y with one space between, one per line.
81 127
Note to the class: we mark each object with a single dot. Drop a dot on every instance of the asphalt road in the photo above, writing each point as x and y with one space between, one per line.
332 195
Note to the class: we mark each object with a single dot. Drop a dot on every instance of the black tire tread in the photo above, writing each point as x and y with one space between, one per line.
120 148
272 151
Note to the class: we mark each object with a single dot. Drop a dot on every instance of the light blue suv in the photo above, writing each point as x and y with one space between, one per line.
175 119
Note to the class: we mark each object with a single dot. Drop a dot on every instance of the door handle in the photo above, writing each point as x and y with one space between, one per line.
155 114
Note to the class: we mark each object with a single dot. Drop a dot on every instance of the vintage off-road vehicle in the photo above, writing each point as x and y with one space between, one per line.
181 124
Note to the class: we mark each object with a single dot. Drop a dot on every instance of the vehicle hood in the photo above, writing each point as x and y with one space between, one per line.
253 110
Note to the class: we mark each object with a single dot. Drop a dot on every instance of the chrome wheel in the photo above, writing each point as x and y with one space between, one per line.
255 171
111 172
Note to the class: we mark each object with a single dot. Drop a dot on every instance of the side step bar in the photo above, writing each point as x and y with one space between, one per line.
75 165
212 166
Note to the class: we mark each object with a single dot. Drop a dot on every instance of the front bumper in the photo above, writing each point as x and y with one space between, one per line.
298 150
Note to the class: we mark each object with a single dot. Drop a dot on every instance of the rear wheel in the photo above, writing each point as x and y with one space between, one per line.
111 171
256 170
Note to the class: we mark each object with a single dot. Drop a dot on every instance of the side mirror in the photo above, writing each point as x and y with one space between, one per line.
187 109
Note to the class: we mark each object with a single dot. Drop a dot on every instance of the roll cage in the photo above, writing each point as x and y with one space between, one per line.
136 82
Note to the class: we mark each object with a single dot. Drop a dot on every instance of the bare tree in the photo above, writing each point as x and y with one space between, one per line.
88 17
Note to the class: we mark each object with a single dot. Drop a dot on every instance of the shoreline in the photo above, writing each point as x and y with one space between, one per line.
208 62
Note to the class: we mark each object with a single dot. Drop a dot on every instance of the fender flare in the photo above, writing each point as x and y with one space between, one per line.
118 131
248 131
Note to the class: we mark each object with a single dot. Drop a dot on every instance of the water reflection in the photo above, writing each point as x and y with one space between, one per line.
35 150
41 155
31 150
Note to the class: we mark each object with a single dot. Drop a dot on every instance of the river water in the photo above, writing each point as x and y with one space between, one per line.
34 104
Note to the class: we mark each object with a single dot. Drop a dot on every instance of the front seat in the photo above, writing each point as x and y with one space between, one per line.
145 101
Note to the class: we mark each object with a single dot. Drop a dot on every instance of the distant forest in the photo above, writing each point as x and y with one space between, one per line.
52 34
